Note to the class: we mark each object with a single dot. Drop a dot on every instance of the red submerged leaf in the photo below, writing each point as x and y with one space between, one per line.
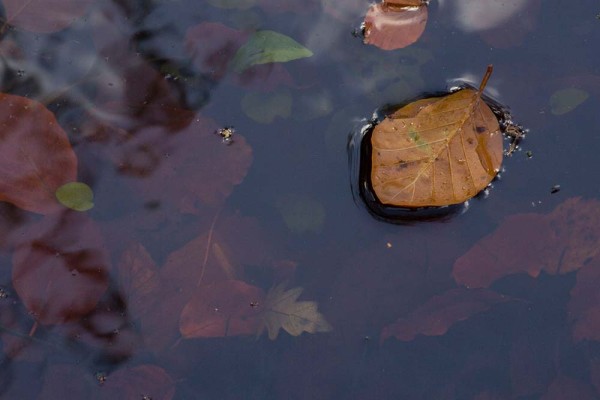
513 33
437 315
63 381
212 46
13 336
60 268
215 256
557 243
522 243
227 308
139 279
577 225
595 373
564 387
141 382
584 306
44 16
390 26
293 6
532 365
37 157
197 166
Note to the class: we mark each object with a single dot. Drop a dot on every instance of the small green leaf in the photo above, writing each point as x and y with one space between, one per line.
265 107
566 100
267 47
301 213
76 195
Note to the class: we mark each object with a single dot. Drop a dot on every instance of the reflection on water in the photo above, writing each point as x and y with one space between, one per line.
242 268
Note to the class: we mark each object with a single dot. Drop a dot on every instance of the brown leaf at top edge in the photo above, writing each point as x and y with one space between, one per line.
436 151
391 26
439 313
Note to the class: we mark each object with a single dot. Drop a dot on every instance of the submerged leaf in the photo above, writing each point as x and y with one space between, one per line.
558 243
391 26
60 267
226 308
436 151
265 107
76 195
36 156
44 16
435 317
267 47
282 311
566 100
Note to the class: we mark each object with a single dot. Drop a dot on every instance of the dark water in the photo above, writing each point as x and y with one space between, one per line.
140 115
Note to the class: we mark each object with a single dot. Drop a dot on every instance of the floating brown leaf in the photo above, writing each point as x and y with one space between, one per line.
436 151
435 317
283 311
395 24
557 243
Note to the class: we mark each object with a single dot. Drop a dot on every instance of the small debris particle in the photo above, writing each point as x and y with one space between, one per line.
388 245
555 189
529 154
101 377
227 134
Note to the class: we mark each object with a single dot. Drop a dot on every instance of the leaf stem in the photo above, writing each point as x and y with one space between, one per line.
486 77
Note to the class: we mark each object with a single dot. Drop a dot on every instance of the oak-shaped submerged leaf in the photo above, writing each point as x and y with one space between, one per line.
566 100
268 47
436 151
76 195
283 311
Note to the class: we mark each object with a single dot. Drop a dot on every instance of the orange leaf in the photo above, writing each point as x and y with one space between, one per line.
436 151
37 157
